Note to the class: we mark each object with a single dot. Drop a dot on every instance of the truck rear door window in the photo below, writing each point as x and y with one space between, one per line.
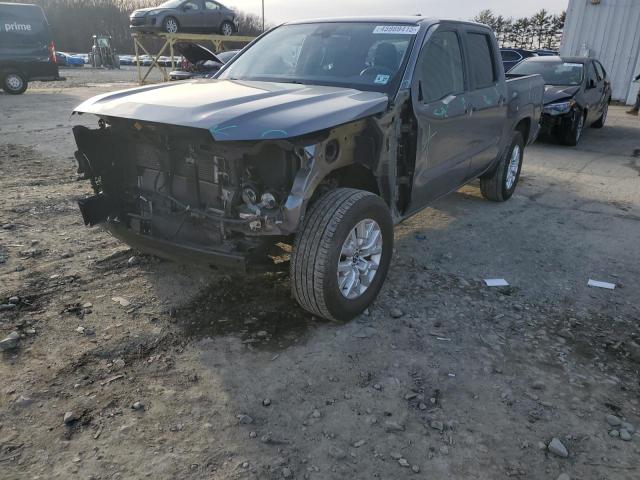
440 67
481 59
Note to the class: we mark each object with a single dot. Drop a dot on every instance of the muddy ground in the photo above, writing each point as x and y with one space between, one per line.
165 371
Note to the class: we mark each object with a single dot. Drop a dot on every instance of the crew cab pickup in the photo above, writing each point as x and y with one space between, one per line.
317 138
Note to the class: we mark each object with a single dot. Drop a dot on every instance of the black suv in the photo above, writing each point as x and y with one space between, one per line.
513 56
26 47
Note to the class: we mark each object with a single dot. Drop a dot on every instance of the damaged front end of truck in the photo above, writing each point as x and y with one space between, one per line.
177 192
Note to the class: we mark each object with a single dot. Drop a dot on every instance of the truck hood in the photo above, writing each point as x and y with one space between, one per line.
240 110
555 93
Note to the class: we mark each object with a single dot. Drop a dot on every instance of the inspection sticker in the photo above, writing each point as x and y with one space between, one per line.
382 79
397 29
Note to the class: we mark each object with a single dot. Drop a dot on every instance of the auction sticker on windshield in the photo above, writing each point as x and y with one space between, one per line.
382 79
397 29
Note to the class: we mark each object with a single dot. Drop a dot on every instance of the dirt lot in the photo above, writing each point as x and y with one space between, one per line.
163 371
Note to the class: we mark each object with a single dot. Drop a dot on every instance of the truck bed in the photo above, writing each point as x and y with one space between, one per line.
525 99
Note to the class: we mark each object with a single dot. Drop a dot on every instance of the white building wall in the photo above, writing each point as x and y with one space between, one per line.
610 30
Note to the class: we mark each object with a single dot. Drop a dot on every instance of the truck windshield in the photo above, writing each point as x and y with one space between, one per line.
554 73
366 56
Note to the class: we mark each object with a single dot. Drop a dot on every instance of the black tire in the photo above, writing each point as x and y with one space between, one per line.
603 118
498 185
97 60
14 82
227 29
170 25
573 132
318 247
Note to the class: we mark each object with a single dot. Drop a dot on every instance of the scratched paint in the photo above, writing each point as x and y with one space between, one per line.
441 112
425 149
217 130
274 133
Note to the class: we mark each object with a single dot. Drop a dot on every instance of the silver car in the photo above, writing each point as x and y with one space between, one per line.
176 16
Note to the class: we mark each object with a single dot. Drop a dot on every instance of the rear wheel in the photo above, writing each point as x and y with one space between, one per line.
573 132
170 25
499 185
227 29
603 118
14 82
96 59
342 254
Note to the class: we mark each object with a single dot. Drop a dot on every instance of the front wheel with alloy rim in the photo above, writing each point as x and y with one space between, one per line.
342 254
170 25
573 133
227 29
500 183
14 83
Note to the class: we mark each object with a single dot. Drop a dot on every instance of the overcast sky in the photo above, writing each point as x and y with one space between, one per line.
278 11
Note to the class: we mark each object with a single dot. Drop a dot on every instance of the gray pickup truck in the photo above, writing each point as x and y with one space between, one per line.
314 140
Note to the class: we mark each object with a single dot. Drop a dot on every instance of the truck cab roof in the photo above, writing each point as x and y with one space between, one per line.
401 19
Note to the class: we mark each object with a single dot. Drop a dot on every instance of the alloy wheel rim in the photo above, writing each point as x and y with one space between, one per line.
172 26
226 30
359 259
514 165
14 82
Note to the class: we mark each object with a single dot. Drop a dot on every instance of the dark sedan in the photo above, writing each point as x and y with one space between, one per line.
199 62
577 93
176 16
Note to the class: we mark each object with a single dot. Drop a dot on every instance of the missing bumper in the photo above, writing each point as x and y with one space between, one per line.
96 209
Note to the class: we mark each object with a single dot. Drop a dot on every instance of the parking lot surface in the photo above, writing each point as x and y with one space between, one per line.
132 367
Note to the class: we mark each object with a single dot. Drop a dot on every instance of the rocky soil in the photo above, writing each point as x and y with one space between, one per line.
116 365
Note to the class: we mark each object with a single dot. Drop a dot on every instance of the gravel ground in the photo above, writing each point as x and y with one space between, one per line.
100 77
125 366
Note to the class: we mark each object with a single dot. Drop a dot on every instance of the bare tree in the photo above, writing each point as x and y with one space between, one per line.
541 30
485 17
541 25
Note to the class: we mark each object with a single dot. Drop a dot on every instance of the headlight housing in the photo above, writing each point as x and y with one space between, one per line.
559 108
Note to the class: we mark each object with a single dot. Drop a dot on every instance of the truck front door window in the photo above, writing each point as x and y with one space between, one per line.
439 104
440 67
